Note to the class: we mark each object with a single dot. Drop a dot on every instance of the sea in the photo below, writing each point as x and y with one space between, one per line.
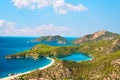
13 45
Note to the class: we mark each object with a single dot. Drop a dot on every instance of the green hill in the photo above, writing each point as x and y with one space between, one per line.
97 36
57 39
45 50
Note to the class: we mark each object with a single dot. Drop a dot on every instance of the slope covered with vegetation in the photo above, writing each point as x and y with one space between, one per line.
45 50
97 36
57 39
102 67
105 64
103 46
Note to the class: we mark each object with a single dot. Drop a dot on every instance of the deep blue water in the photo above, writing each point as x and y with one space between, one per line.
77 57
12 45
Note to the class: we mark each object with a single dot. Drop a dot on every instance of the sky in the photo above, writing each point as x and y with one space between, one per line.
58 17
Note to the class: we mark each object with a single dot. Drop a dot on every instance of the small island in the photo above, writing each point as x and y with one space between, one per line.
56 39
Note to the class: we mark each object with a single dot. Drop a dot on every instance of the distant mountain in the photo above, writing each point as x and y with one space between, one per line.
57 39
97 36
100 42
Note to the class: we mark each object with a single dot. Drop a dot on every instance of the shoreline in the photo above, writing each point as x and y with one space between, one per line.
15 76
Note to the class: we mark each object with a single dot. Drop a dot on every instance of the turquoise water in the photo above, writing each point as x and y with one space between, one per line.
77 57
12 45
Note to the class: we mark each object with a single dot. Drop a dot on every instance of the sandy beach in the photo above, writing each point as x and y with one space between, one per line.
14 76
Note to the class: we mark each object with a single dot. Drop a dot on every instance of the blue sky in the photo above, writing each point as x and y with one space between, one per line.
53 17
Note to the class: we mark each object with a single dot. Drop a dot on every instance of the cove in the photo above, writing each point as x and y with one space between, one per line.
22 65
77 57
12 45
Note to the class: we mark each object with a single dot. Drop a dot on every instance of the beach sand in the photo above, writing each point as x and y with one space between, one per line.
15 76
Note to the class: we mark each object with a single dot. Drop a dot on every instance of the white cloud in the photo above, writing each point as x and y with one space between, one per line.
9 28
32 4
4 23
44 30
60 6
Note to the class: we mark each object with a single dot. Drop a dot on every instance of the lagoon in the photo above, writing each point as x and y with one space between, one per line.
77 57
